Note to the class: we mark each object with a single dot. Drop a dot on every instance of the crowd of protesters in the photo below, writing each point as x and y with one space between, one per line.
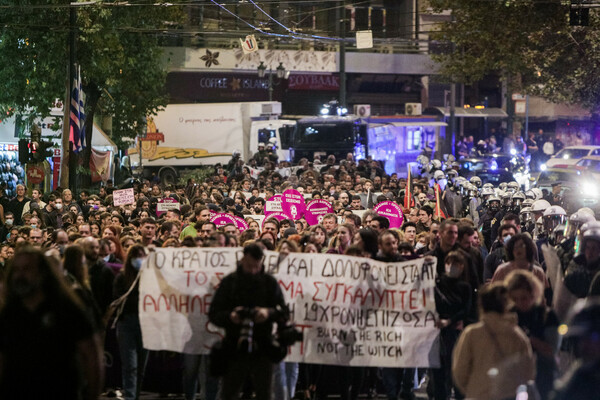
499 303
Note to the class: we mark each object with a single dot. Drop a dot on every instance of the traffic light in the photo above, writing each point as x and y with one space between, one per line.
23 151
41 150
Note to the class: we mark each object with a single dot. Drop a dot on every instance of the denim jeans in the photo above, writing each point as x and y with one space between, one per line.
397 381
285 377
193 373
133 355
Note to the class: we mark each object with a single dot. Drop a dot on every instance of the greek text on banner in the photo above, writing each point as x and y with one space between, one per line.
353 311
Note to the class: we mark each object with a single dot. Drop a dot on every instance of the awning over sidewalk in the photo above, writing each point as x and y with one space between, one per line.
467 112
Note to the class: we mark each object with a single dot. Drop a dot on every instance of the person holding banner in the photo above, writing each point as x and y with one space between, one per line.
129 334
395 380
246 304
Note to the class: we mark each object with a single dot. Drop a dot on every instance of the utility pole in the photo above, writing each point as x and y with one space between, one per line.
341 17
452 136
67 157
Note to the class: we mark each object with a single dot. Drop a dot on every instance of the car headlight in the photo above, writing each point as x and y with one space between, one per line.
590 189
543 167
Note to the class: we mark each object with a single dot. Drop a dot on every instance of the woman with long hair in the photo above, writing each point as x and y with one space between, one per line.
366 239
119 253
127 242
129 333
342 239
95 229
539 323
520 251
240 199
74 263
49 349
253 224
318 236
496 344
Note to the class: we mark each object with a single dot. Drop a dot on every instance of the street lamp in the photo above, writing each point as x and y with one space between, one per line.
280 73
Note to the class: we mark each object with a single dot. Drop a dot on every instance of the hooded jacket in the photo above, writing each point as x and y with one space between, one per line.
492 358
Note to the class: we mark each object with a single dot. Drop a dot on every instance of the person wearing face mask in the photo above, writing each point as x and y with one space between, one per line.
454 304
8 224
498 256
53 212
129 333
488 219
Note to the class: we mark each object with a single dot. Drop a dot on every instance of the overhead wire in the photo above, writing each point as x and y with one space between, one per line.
289 30
291 34
252 26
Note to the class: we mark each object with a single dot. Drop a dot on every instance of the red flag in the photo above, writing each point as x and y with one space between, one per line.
407 191
438 213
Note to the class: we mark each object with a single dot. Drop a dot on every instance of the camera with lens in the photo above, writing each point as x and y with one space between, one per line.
287 334
245 341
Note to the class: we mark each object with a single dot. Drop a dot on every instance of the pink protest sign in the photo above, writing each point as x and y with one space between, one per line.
273 205
222 219
165 205
316 209
292 204
277 215
391 211
240 223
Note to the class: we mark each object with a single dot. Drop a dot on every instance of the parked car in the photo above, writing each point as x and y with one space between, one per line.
578 188
497 168
590 164
570 156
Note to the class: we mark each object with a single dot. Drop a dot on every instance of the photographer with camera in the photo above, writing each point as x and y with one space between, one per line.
247 304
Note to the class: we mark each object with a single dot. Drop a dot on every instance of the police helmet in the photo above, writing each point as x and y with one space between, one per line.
475 180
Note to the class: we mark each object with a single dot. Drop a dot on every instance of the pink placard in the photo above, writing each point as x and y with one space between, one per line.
292 204
222 219
273 205
315 210
391 211
240 223
277 215
165 205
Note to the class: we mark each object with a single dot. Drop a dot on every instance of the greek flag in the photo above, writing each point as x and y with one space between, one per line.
77 119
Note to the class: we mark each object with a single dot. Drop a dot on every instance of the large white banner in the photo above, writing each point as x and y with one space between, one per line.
353 311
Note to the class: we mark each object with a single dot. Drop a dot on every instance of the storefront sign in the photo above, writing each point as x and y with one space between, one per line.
314 82
9 147
204 87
